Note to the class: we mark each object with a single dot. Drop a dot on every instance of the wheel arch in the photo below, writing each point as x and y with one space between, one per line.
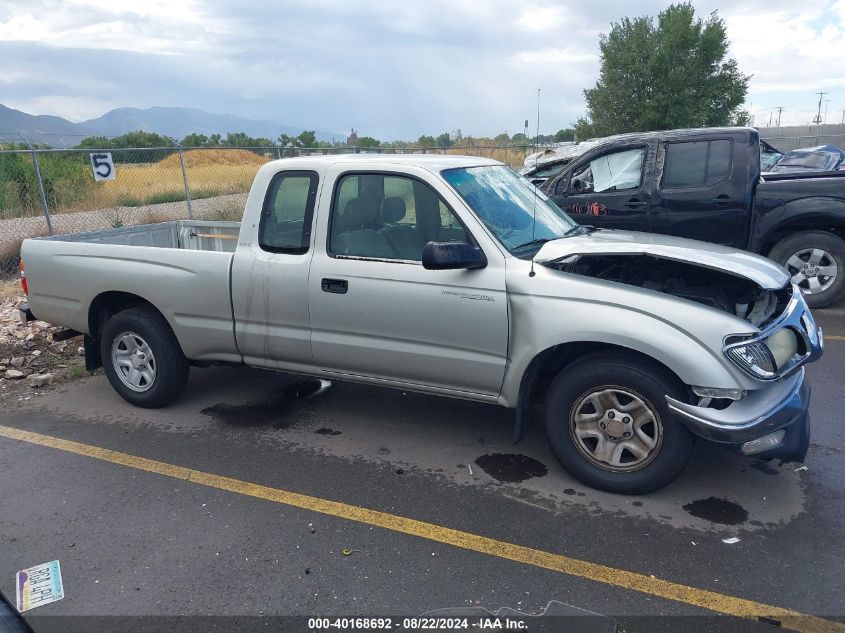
103 306
824 222
548 363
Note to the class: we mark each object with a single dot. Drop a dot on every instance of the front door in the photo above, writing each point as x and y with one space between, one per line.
608 189
376 312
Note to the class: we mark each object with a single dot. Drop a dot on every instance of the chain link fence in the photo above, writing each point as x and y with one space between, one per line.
54 191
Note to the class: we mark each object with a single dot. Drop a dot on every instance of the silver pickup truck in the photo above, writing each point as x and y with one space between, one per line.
452 275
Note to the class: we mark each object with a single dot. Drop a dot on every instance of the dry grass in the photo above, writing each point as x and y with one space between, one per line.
205 157
515 157
10 288
210 173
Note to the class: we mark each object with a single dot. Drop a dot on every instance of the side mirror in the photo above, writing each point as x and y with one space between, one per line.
452 256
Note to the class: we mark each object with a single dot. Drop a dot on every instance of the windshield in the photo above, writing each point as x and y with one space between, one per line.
505 202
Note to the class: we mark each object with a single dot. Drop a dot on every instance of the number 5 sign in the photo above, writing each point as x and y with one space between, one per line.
103 166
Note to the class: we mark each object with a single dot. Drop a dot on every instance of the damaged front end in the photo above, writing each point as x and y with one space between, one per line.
720 290
767 417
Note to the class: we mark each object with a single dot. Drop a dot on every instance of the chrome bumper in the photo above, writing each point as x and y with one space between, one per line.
783 405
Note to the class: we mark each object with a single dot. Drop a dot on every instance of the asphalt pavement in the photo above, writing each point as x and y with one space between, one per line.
260 493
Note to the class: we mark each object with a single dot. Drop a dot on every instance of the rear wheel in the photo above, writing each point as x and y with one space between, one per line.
815 261
142 358
610 427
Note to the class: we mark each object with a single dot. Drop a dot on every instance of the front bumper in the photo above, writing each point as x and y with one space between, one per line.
784 405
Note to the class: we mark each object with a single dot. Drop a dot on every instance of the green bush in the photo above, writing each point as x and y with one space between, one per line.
67 181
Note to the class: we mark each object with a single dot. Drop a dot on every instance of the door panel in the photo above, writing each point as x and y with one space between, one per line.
399 321
609 189
270 277
376 312
702 193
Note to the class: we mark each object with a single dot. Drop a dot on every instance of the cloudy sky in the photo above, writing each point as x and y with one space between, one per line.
392 69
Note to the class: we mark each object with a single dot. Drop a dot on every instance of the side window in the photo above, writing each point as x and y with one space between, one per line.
285 225
697 164
617 171
390 217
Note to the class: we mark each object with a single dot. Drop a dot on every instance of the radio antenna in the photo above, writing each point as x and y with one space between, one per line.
534 205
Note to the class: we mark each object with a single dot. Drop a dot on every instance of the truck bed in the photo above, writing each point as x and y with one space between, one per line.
183 234
182 268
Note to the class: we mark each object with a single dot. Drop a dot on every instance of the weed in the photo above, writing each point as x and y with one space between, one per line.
125 200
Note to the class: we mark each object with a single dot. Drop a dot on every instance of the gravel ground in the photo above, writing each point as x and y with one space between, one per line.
29 358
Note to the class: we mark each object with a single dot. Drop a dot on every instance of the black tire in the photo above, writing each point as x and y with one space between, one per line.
171 366
832 245
646 380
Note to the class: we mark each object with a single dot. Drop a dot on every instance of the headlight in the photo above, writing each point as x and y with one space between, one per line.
755 358
783 345
764 358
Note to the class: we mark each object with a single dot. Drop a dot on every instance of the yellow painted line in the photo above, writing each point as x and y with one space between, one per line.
831 337
720 603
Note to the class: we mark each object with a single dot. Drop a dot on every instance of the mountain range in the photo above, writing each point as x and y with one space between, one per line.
174 122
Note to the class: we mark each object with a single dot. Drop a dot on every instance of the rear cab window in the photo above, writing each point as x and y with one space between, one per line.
288 212
697 163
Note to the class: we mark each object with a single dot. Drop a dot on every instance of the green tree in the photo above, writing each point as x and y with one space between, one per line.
670 74
368 141
444 141
139 138
520 139
567 134
426 141
194 140
503 138
306 139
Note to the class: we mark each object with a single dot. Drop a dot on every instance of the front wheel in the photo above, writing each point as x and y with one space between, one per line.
142 358
609 425
815 261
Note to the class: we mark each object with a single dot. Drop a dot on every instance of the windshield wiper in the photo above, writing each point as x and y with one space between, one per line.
538 241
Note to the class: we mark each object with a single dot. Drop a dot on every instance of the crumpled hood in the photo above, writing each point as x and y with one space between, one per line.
760 270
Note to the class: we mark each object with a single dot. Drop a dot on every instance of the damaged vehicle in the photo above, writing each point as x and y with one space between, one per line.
453 276
822 158
706 184
541 166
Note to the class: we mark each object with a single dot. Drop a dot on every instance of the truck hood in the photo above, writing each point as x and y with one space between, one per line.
760 270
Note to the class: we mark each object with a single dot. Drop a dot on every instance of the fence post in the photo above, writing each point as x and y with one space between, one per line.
41 189
185 182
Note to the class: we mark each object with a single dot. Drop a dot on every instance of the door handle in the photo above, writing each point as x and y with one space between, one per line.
722 200
337 286
635 203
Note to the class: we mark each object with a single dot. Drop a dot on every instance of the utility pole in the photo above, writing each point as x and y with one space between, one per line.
770 118
780 109
818 119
